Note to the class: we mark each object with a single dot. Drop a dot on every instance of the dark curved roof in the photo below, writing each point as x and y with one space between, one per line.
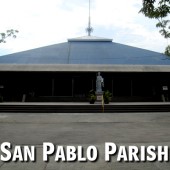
87 50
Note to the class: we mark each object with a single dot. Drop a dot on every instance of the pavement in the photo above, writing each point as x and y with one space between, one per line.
123 129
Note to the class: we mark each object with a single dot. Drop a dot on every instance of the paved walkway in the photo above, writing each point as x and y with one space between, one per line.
85 129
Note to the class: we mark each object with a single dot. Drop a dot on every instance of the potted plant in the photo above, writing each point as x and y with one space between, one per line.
107 95
92 96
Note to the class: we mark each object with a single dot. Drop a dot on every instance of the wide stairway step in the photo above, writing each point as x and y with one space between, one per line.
83 107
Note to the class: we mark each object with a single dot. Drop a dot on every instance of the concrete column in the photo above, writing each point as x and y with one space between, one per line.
52 87
131 87
112 87
92 83
72 87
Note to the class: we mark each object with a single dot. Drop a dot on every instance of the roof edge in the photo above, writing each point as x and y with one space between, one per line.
89 39
82 68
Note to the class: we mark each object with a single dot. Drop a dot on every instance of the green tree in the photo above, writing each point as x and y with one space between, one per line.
8 33
167 50
160 10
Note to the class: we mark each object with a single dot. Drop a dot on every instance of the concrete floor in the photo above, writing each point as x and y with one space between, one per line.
85 129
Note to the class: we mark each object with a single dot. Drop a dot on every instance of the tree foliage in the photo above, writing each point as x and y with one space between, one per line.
8 33
160 10
167 50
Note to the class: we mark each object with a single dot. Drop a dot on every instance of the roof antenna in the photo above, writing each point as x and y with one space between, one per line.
89 29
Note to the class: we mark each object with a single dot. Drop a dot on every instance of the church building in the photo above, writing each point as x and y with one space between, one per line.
67 72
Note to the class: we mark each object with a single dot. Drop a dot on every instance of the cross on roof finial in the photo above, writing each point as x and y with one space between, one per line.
89 29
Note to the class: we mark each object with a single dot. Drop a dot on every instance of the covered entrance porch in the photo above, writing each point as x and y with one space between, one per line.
75 86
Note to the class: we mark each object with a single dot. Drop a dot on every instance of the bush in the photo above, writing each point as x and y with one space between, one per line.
92 96
107 95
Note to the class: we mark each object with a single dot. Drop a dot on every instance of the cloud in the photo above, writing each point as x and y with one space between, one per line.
45 22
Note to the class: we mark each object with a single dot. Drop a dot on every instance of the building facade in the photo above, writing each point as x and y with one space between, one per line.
67 72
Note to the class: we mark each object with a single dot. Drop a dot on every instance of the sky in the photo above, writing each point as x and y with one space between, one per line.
47 22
